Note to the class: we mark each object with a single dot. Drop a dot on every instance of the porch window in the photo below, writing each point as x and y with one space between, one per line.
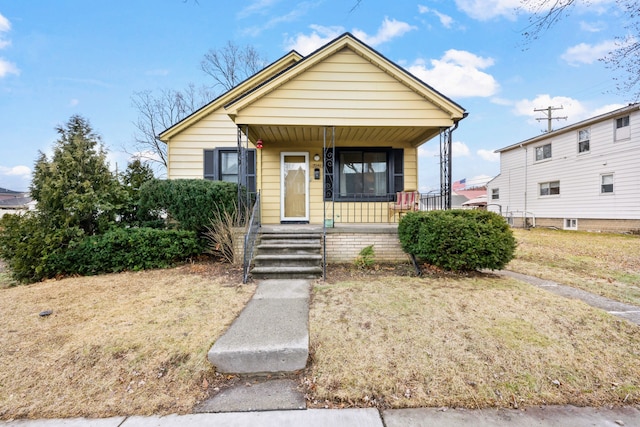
366 174
221 164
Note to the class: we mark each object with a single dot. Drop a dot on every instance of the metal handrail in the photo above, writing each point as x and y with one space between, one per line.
250 237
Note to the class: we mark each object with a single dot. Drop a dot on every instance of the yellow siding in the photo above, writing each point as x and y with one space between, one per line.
269 185
185 150
344 90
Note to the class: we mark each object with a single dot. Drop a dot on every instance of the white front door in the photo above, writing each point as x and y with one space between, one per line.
294 187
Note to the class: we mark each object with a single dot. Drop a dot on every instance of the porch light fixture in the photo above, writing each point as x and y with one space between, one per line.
316 157
259 144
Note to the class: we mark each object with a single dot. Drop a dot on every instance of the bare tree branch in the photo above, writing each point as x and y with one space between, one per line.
232 64
624 58
159 111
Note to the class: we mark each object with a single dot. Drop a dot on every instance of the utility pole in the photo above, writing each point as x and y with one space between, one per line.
549 117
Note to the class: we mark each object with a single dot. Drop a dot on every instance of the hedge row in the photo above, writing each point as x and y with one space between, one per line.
128 249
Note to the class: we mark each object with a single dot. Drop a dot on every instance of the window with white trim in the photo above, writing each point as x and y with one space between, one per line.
622 128
584 135
495 194
606 183
570 224
543 152
551 188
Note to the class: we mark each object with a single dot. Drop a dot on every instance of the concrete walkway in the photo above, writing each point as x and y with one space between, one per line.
620 309
548 416
271 334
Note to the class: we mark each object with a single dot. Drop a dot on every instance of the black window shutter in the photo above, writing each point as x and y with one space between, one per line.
209 164
398 169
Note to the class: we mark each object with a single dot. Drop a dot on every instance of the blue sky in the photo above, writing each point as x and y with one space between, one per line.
65 57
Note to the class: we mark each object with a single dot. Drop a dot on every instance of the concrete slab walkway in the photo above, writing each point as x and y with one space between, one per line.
546 416
270 335
626 311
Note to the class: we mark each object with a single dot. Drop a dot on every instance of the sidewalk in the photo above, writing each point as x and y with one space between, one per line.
550 416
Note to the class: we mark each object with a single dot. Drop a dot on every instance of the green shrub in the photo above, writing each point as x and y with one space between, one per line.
365 258
458 240
128 249
28 243
189 203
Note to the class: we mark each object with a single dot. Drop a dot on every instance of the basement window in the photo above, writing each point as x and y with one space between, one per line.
570 223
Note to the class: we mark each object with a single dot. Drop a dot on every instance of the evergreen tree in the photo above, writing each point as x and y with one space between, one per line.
75 189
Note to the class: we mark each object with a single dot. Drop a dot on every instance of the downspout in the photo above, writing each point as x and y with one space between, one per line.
450 158
525 184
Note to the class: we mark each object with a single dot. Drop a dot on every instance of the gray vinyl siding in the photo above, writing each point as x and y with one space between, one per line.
579 175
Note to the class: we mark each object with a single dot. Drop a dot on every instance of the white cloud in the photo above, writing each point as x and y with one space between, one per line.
605 109
321 35
445 20
5 25
389 30
424 151
20 171
257 7
571 108
457 74
584 53
305 44
488 155
487 9
74 102
7 67
592 27
484 10
459 149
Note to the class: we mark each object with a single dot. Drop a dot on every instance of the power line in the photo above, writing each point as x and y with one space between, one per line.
549 110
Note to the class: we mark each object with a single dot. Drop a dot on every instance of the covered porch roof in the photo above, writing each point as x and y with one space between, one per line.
351 88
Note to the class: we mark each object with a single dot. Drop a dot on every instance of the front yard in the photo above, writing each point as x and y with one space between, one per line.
136 343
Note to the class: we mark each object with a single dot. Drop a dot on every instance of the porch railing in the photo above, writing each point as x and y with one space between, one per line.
368 208
253 226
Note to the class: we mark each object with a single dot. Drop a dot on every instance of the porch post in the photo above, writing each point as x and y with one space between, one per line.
445 168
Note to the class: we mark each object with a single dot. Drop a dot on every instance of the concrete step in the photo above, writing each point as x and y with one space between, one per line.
292 247
286 272
270 335
290 236
288 260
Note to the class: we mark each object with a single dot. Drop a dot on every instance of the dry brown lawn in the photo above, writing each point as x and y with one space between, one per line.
602 263
474 341
136 343
119 344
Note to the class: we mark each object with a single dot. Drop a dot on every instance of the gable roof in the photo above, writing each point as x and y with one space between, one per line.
587 122
347 40
274 68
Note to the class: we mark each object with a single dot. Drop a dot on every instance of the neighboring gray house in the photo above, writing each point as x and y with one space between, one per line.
585 176
14 202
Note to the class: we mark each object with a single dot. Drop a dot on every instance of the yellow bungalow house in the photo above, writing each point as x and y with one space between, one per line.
329 139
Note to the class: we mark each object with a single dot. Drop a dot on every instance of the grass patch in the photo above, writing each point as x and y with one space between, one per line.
119 344
474 342
601 263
